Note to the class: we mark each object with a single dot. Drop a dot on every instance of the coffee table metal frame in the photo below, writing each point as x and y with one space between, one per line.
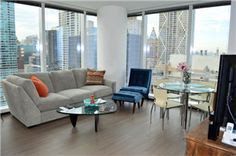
104 108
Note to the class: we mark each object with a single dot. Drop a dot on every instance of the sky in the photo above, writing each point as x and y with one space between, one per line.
27 20
210 32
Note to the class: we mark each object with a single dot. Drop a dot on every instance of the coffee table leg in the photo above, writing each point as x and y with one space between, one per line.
96 122
73 119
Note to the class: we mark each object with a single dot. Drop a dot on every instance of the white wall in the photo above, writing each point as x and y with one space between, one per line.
112 38
232 29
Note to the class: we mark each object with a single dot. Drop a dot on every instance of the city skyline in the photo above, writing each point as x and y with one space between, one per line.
208 22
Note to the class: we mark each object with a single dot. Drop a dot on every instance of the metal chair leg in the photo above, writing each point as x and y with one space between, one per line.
163 118
167 114
151 112
161 111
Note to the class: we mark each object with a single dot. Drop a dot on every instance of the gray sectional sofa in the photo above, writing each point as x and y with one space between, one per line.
65 88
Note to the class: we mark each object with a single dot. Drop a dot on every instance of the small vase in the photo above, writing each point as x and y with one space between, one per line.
186 78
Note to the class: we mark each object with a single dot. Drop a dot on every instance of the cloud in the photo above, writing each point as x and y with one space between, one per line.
26 20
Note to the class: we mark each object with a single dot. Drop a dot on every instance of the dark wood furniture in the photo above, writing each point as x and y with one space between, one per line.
197 143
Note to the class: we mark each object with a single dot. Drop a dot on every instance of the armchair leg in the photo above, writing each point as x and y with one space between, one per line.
138 105
134 106
142 102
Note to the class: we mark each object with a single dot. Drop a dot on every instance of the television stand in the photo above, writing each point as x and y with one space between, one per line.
197 143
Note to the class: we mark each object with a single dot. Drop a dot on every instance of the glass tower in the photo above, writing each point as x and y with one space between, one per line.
8 47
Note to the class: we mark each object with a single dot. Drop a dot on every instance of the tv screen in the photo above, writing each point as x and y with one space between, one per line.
225 106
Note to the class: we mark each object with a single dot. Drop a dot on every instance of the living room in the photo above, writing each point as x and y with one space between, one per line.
96 51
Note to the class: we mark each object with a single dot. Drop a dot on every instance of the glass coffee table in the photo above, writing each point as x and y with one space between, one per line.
107 107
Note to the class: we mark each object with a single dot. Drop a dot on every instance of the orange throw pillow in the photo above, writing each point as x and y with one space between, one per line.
40 86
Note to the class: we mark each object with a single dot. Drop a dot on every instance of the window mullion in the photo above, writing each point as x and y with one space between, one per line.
190 35
42 39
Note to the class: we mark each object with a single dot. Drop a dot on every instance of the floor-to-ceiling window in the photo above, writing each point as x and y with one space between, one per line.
90 54
134 43
63 39
20 39
166 42
20 50
196 34
211 32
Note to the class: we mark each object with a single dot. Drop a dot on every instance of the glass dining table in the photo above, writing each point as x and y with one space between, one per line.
185 91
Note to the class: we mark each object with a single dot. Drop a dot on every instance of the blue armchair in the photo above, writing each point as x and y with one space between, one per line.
139 81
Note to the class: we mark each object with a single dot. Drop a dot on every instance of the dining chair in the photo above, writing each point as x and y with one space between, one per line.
170 95
204 107
204 97
165 104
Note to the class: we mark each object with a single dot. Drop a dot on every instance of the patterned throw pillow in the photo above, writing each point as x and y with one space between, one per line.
95 77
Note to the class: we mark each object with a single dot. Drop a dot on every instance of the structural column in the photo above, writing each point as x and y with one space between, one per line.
232 29
112 40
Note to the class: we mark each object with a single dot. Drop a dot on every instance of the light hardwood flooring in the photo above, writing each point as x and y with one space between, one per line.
121 134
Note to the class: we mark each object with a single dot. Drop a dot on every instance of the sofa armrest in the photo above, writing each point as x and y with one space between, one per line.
111 84
21 105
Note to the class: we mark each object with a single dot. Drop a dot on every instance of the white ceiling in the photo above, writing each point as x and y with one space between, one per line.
131 5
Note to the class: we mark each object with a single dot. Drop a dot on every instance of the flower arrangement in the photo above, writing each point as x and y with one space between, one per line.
184 68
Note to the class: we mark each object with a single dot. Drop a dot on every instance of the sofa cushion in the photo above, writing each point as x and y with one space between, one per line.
80 76
98 90
42 76
63 80
24 75
76 95
53 101
142 90
27 85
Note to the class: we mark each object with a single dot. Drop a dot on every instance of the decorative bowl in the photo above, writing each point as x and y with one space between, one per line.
87 102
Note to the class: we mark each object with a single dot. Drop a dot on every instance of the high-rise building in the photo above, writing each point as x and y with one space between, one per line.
20 59
91 46
173 28
30 40
70 25
134 41
74 52
54 49
8 48
152 53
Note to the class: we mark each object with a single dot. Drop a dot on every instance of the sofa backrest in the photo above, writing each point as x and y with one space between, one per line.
63 80
60 80
42 76
80 76
27 85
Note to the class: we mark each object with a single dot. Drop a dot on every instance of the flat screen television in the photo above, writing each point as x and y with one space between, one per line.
225 104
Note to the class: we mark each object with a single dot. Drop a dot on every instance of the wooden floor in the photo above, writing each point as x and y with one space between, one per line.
120 134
